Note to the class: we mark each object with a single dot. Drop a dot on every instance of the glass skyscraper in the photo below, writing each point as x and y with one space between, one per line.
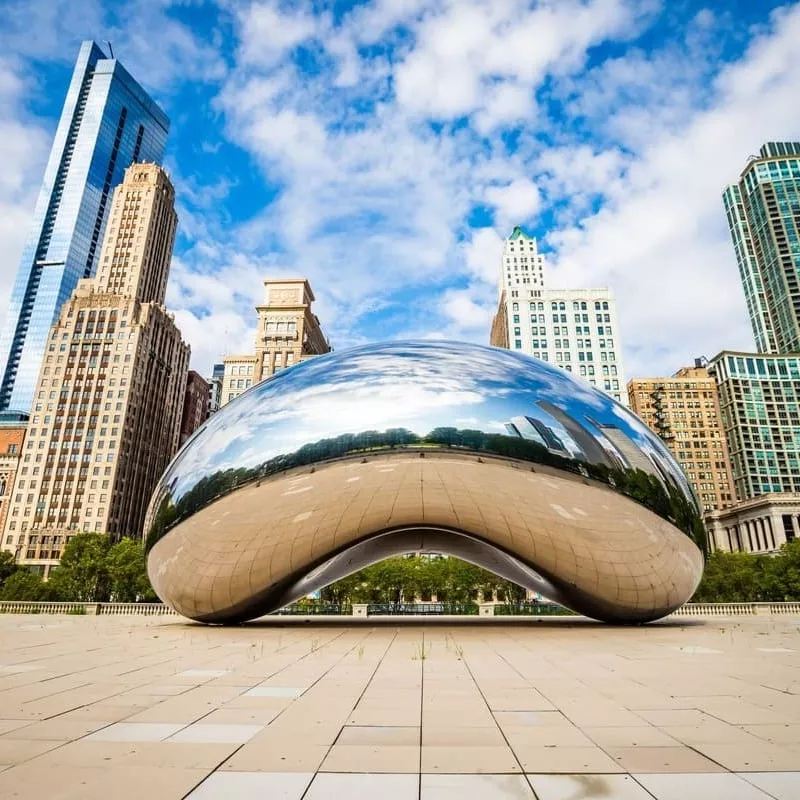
763 211
107 123
759 397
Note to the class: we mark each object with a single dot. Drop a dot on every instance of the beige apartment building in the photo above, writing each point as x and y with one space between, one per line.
684 411
12 439
108 401
288 332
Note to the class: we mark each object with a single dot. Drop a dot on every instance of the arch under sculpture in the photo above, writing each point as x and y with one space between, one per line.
481 453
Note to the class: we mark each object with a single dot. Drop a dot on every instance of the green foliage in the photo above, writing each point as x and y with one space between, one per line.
128 573
24 585
82 575
8 566
402 579
749 578
93 570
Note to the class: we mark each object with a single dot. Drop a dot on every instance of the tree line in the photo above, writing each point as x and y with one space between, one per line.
93 569
404 579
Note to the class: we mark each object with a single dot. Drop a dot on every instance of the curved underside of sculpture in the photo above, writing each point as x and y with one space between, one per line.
475 452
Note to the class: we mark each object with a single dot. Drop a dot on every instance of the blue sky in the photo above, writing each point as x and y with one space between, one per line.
384 148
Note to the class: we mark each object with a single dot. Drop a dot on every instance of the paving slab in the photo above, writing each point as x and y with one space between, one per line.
399 708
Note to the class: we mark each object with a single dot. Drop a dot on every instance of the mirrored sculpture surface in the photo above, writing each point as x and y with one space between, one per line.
481 453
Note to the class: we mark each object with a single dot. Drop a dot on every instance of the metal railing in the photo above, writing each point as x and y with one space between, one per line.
421 609
532 610
399 609
315 609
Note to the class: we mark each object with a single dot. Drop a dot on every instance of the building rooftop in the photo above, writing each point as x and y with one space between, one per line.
133 707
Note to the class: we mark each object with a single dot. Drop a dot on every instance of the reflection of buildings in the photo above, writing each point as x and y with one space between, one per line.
535 429
107 409
684 411
215 388
107 123
764 220
630 454
288 332
195 405
759 525
590 449
759 397
575 329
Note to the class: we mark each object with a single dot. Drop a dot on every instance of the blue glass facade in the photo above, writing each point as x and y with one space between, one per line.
107 123
763 211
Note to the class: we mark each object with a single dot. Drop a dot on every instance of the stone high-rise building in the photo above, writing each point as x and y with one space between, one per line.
107 123
12 439
288 332
107 406
763 210
684 411
575 329
195 404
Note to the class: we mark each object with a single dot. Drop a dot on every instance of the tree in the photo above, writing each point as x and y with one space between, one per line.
8 566
127 573
24 585
82 575
401 579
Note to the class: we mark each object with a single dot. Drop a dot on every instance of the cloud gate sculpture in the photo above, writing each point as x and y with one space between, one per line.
477 452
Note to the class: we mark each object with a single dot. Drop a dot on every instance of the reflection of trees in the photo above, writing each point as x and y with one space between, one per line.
645 488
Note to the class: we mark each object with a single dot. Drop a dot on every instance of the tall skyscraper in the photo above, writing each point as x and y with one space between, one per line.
107 408
684 411
763 210
288 332
575 329
759 398
195 405
108 122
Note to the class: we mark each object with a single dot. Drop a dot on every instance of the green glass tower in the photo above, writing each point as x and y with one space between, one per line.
763 210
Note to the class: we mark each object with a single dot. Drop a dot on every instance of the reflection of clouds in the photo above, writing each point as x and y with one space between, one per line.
415 385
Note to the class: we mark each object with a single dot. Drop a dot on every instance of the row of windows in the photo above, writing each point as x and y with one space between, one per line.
280 327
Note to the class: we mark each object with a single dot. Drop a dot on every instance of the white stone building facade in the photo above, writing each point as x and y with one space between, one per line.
575 329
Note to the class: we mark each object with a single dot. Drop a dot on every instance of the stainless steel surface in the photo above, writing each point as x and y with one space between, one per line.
483 453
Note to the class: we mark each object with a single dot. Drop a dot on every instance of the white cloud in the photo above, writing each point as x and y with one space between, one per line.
514 203
466 48
482 255
267 32
25 147
374 160
506 103
661 239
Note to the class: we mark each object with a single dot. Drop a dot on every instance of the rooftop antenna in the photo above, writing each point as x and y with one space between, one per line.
110 48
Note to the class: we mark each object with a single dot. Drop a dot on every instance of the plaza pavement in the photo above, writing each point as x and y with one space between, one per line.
555 709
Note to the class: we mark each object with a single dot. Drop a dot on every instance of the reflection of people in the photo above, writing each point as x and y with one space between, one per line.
590 449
